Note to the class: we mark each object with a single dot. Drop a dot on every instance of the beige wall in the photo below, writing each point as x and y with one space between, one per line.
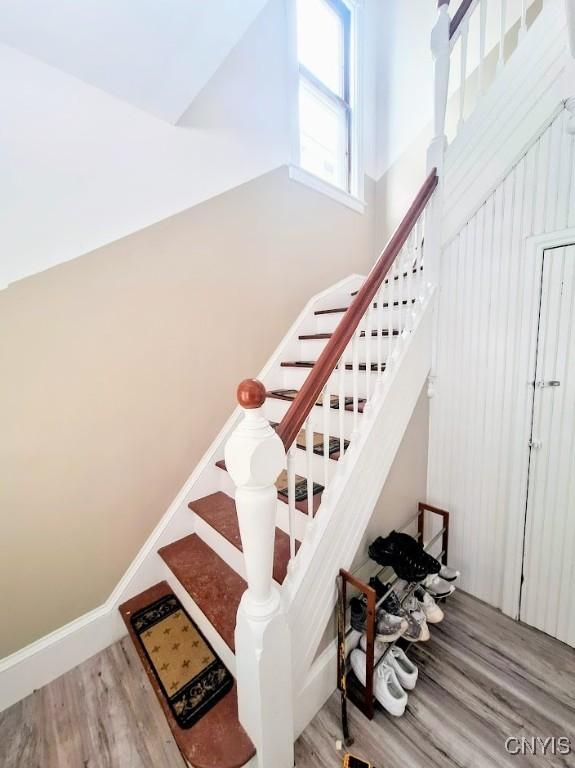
406 483
119 368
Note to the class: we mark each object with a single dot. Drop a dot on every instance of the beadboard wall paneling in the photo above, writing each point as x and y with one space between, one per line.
487 328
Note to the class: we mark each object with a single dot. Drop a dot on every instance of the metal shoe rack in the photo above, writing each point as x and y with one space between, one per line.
362 696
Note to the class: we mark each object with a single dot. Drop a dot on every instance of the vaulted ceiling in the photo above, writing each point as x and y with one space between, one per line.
155 54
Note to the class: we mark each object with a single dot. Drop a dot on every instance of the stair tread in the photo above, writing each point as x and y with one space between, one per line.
211 583
318 443
301 504
385 305
217 740
311 363
386 281
321 336
219 510
290 394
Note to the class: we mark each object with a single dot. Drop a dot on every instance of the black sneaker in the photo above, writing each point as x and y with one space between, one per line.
427 561
403 561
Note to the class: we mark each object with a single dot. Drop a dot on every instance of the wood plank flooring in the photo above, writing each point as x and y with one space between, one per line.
482 678
103 714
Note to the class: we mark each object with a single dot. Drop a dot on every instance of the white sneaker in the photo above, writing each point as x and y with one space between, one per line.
437 587
379 648
449 574
433 612
386 687
405 670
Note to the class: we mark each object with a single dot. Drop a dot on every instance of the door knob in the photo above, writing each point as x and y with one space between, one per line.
534 443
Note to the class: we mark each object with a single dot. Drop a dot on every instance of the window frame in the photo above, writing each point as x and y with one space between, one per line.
349 12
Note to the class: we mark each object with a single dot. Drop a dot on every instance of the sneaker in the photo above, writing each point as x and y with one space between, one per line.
415 610
429 563
433 613
386 687
449 574
391 604
388 627
388 552
379 648
380 589
405 670
437 587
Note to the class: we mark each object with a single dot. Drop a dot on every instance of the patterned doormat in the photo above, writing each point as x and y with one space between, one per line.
191 677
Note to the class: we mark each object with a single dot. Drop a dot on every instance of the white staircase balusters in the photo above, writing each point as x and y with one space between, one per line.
341 402
326 400
380 325
482 36
291 497
309 465
502 30
463 73
367 345
523 27
355 376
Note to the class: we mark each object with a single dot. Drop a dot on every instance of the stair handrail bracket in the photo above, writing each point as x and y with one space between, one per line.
254 457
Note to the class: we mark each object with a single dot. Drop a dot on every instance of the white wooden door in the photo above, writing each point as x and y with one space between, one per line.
548 586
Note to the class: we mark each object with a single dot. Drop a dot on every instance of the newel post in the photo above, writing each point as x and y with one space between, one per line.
255 456
441 52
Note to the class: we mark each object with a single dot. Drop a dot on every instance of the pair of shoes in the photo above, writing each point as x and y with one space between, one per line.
417 629
405 555
405 670
388 627
438 587
433 613
386 686
395 551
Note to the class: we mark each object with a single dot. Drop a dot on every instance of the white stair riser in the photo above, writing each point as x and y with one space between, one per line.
329 322
229 553
275 410
311 349
294 378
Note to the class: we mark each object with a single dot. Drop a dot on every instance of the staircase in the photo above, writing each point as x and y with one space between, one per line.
280 502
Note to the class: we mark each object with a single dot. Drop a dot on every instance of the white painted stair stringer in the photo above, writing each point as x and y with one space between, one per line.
333 538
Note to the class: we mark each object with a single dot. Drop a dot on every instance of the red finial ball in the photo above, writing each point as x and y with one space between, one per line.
251 393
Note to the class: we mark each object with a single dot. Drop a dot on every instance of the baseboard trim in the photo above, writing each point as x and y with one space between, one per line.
39 663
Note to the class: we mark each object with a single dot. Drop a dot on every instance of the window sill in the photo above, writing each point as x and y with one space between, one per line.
341 196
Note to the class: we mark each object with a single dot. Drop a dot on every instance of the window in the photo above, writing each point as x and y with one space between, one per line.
324 88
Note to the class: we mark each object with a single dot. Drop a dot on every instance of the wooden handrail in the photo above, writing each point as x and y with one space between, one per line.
458 17
306 398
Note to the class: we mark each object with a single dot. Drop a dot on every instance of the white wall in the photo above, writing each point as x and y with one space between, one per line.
81 169
156 56
487 330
